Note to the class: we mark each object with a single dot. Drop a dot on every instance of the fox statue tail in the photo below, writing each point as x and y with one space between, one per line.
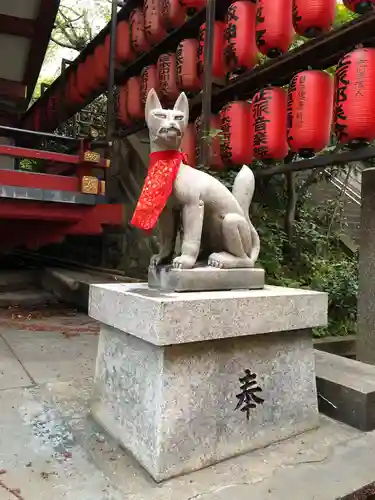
243 191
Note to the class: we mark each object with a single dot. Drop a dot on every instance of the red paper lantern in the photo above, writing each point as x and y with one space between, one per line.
122 110
354 108
194 4
37 119
235 123
101 65
86 81
274 26
137 32
189 144
215 160
173 14
313 17
53 108
310 106
134 103
149 80
166 67
269 112
155 31
73 97
359 6
90 69
219 69
81 80
187 66
107 51
124 50
240 50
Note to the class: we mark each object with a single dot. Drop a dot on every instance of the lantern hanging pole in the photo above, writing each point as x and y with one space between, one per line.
111 72
205 138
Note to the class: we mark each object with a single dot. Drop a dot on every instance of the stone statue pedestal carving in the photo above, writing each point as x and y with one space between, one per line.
186 380
204 278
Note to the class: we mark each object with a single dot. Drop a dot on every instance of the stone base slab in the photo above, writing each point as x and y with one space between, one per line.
204 278
179 408
348 389
164 318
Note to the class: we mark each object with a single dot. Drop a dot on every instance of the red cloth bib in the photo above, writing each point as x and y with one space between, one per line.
158 186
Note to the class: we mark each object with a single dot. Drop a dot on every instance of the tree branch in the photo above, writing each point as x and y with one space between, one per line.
290 214
65 45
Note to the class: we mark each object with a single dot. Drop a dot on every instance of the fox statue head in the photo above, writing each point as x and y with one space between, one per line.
166 126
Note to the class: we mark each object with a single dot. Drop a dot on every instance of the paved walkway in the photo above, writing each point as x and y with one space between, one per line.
51 450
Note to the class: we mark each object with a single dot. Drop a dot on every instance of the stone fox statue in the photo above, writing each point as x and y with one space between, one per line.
215 222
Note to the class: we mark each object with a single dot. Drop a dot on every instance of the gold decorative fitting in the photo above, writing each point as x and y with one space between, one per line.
102 188
90 185
107 163
91 157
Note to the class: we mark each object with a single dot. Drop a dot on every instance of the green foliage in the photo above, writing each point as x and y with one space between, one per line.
314 258
38 88
343 15
30 165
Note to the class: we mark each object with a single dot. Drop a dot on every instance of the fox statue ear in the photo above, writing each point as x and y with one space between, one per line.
152 102
182 105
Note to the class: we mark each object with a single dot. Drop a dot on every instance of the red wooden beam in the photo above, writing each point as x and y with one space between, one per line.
36 224
31 234
39 211
18 26
39 181
16 91
42 211
43 26
35 154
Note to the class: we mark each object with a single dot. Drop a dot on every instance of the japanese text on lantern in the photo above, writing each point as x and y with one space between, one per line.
261 115
226 149
144 85
342 83
259 20
362 65
296 17
164 9
301 101
200 51
151 5
230 35
291 91
179 61
164 70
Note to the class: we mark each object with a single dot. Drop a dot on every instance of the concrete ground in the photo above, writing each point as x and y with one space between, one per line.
51 450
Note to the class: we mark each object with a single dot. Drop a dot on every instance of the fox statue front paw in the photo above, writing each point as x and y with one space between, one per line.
158 259
184 262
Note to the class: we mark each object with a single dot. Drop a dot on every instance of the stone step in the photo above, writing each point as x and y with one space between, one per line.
72 287
342 346
26 299
347 390
14 280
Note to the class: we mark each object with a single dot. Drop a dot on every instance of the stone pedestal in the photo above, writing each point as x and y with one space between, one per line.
186 380
366 290
204 278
